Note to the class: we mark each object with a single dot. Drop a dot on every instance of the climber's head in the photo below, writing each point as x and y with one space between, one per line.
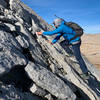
57 22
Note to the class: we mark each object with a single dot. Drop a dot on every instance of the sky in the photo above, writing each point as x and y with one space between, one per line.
84 12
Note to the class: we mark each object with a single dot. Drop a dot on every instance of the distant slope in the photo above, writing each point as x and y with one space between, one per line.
91 48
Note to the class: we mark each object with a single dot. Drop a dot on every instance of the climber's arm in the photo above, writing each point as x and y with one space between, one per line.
56 38
58 30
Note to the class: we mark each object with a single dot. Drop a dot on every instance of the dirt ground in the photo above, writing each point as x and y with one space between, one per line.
91 48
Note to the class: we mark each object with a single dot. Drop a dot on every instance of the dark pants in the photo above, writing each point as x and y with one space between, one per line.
77 53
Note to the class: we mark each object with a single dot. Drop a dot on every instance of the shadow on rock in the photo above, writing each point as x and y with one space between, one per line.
94 84
18 77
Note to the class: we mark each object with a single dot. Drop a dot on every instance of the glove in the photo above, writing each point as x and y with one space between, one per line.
39 33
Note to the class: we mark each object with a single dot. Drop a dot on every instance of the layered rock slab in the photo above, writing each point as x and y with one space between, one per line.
48 81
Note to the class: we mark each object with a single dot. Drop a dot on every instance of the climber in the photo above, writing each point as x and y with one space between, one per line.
68 33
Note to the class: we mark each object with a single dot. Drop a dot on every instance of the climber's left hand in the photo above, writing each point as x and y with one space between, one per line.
49 42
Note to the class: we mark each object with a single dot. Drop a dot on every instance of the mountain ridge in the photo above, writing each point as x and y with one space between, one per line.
31 68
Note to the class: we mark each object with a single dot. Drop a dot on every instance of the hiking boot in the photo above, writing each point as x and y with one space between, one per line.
85 76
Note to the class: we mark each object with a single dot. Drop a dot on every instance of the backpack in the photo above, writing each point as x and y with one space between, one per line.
76 28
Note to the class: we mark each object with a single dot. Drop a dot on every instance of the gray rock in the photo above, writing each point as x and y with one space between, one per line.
71 67
38 91
45 57
26 13
1 10
8 20
12 27
24 43
3 3
19 10
49 97
1 48
47 80
9 92
10 55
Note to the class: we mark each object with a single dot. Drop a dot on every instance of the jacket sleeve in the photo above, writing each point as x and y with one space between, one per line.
58 30
56 38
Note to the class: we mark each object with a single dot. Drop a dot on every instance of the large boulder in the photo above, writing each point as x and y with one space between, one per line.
48 81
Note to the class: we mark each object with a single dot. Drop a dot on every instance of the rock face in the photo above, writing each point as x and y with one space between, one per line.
48 81
9 92
30 66
3 3
10 54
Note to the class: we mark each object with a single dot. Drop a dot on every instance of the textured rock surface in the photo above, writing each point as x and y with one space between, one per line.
24 43
48 81
70 66
53 72
9 92
3 3
10 54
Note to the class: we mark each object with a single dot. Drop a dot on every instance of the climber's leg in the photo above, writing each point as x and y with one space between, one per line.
77 53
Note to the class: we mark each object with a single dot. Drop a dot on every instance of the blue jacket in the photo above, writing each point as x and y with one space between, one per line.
65 31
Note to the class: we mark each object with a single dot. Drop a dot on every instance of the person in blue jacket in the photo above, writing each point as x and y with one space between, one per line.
68 33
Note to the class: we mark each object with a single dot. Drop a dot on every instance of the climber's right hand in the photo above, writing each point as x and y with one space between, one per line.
39 33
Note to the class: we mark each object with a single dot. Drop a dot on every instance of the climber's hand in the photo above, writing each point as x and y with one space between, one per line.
39 33
49 42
